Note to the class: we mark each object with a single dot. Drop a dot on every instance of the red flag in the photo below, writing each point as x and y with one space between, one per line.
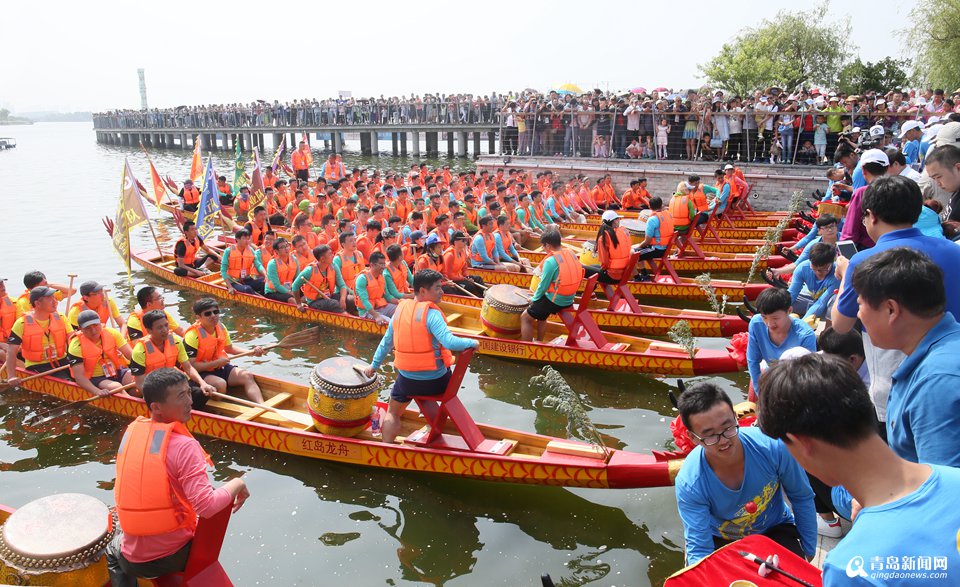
159 189
196 165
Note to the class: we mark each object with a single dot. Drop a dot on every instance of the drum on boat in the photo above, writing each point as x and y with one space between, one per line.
341 398
589 255
634 227
502 306
831 208
58 539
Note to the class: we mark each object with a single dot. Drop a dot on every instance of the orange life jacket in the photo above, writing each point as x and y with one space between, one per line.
412 342
190 254
301 160
209 346
571 274
424 261
350 268
679 210
8 315
617 256
191 196
257 232
376 287
403 209
512 218
324 283
103 311
224 188
699 199
104 354
286 272
409 255
147 504
443 235
43 345
666 228
333 172
240 263
156 358
489 243
506 239
266 254
399 276
455 263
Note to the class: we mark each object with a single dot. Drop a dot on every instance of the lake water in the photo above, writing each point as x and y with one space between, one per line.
311 522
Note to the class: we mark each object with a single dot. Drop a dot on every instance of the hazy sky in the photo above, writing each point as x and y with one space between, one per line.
84 55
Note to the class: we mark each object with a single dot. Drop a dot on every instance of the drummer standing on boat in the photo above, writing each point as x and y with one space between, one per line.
162 486
40 336
422 342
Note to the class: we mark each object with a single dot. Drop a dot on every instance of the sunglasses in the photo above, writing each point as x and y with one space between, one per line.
209 313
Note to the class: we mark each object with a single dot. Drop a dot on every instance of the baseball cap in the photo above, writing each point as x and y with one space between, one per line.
87 318
416 235
876 130
388 233
458 235
949 135
610 216
89 287
40 291
875 156
910 125
727 166
432 239
855 129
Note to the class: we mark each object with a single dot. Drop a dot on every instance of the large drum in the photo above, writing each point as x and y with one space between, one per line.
59 539
589 255
501 309
635 227
341 398
831 208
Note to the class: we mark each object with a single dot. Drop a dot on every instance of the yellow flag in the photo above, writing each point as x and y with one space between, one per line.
196 166
130 213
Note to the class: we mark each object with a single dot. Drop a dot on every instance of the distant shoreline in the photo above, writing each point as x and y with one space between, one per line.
15 122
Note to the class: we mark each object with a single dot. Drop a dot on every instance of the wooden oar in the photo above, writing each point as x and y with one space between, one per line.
464 290
72 276
55 413
290 415
304 337
4 384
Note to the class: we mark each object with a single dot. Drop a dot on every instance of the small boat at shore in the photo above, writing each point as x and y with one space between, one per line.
755 220
588 232
711 262
520 457
616 352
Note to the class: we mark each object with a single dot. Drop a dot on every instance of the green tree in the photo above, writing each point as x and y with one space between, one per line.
934 39
858 77
792 50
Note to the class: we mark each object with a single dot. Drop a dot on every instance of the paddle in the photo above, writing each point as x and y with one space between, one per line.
55 413
72 276
4 384
304 337
289 415
463 290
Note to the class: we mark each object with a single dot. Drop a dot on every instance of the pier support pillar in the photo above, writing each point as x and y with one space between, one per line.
492 142
337 142
415 139
374 143
395 143
365 143
294 143
461 144
433 144
449 144
326 144
277 139
476 144
403 144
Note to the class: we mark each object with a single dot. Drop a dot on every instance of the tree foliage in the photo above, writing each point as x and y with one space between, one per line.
859 77
934 38
792 50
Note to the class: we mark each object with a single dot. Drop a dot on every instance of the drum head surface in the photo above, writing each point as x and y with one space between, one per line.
339 371
634 226
509 295
56 526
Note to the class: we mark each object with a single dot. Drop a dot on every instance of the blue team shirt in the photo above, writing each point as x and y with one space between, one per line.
709 508
857 177
653 230
819 289
911 152
761 348
914 534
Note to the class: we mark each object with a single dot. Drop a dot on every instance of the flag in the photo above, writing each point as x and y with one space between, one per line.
278 156
257 194
239 171
209 208
196 166
306 138
159 189
130 213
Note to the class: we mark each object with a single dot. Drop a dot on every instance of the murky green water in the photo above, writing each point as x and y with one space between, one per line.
311 522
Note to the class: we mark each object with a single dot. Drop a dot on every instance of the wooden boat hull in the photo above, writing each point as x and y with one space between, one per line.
713 262
650 361
687 289
589 232
756 221
620 470
221 220
654 321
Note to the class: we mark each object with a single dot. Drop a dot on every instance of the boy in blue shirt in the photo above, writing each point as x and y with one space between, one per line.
907 529
910 134
772 331
733 483
814 283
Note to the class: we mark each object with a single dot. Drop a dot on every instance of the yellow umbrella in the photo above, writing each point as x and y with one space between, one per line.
570 88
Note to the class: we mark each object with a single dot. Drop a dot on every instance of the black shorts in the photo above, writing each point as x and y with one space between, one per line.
222 372
404 389
543 308
121 373
190 207
303 174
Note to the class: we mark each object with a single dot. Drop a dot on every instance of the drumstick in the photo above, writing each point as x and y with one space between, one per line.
756 559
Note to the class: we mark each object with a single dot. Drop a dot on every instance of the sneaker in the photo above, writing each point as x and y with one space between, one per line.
829 529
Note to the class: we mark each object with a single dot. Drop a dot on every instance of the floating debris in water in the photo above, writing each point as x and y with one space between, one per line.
338 539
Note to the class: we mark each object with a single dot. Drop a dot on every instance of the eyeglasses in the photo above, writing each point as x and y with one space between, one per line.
209 313
729 432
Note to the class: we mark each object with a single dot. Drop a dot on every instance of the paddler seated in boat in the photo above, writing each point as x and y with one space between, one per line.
92 297
282 270
239 266
422 345
560 277
160 347
320 285
614 248
208 345
225 195
366 240
734 482
827 229
8 315
349 260
258 226
265 251
814 285
148 298
412 249
432 257
772 331
483 251
718 204
506 248
637 197
375 299
189 263
241 206
98 356
189 196
398 271
162 486
39 337
682 211
456 267
36 279
658 233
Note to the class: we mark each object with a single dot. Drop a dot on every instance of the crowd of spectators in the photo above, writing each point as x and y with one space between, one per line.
771 125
